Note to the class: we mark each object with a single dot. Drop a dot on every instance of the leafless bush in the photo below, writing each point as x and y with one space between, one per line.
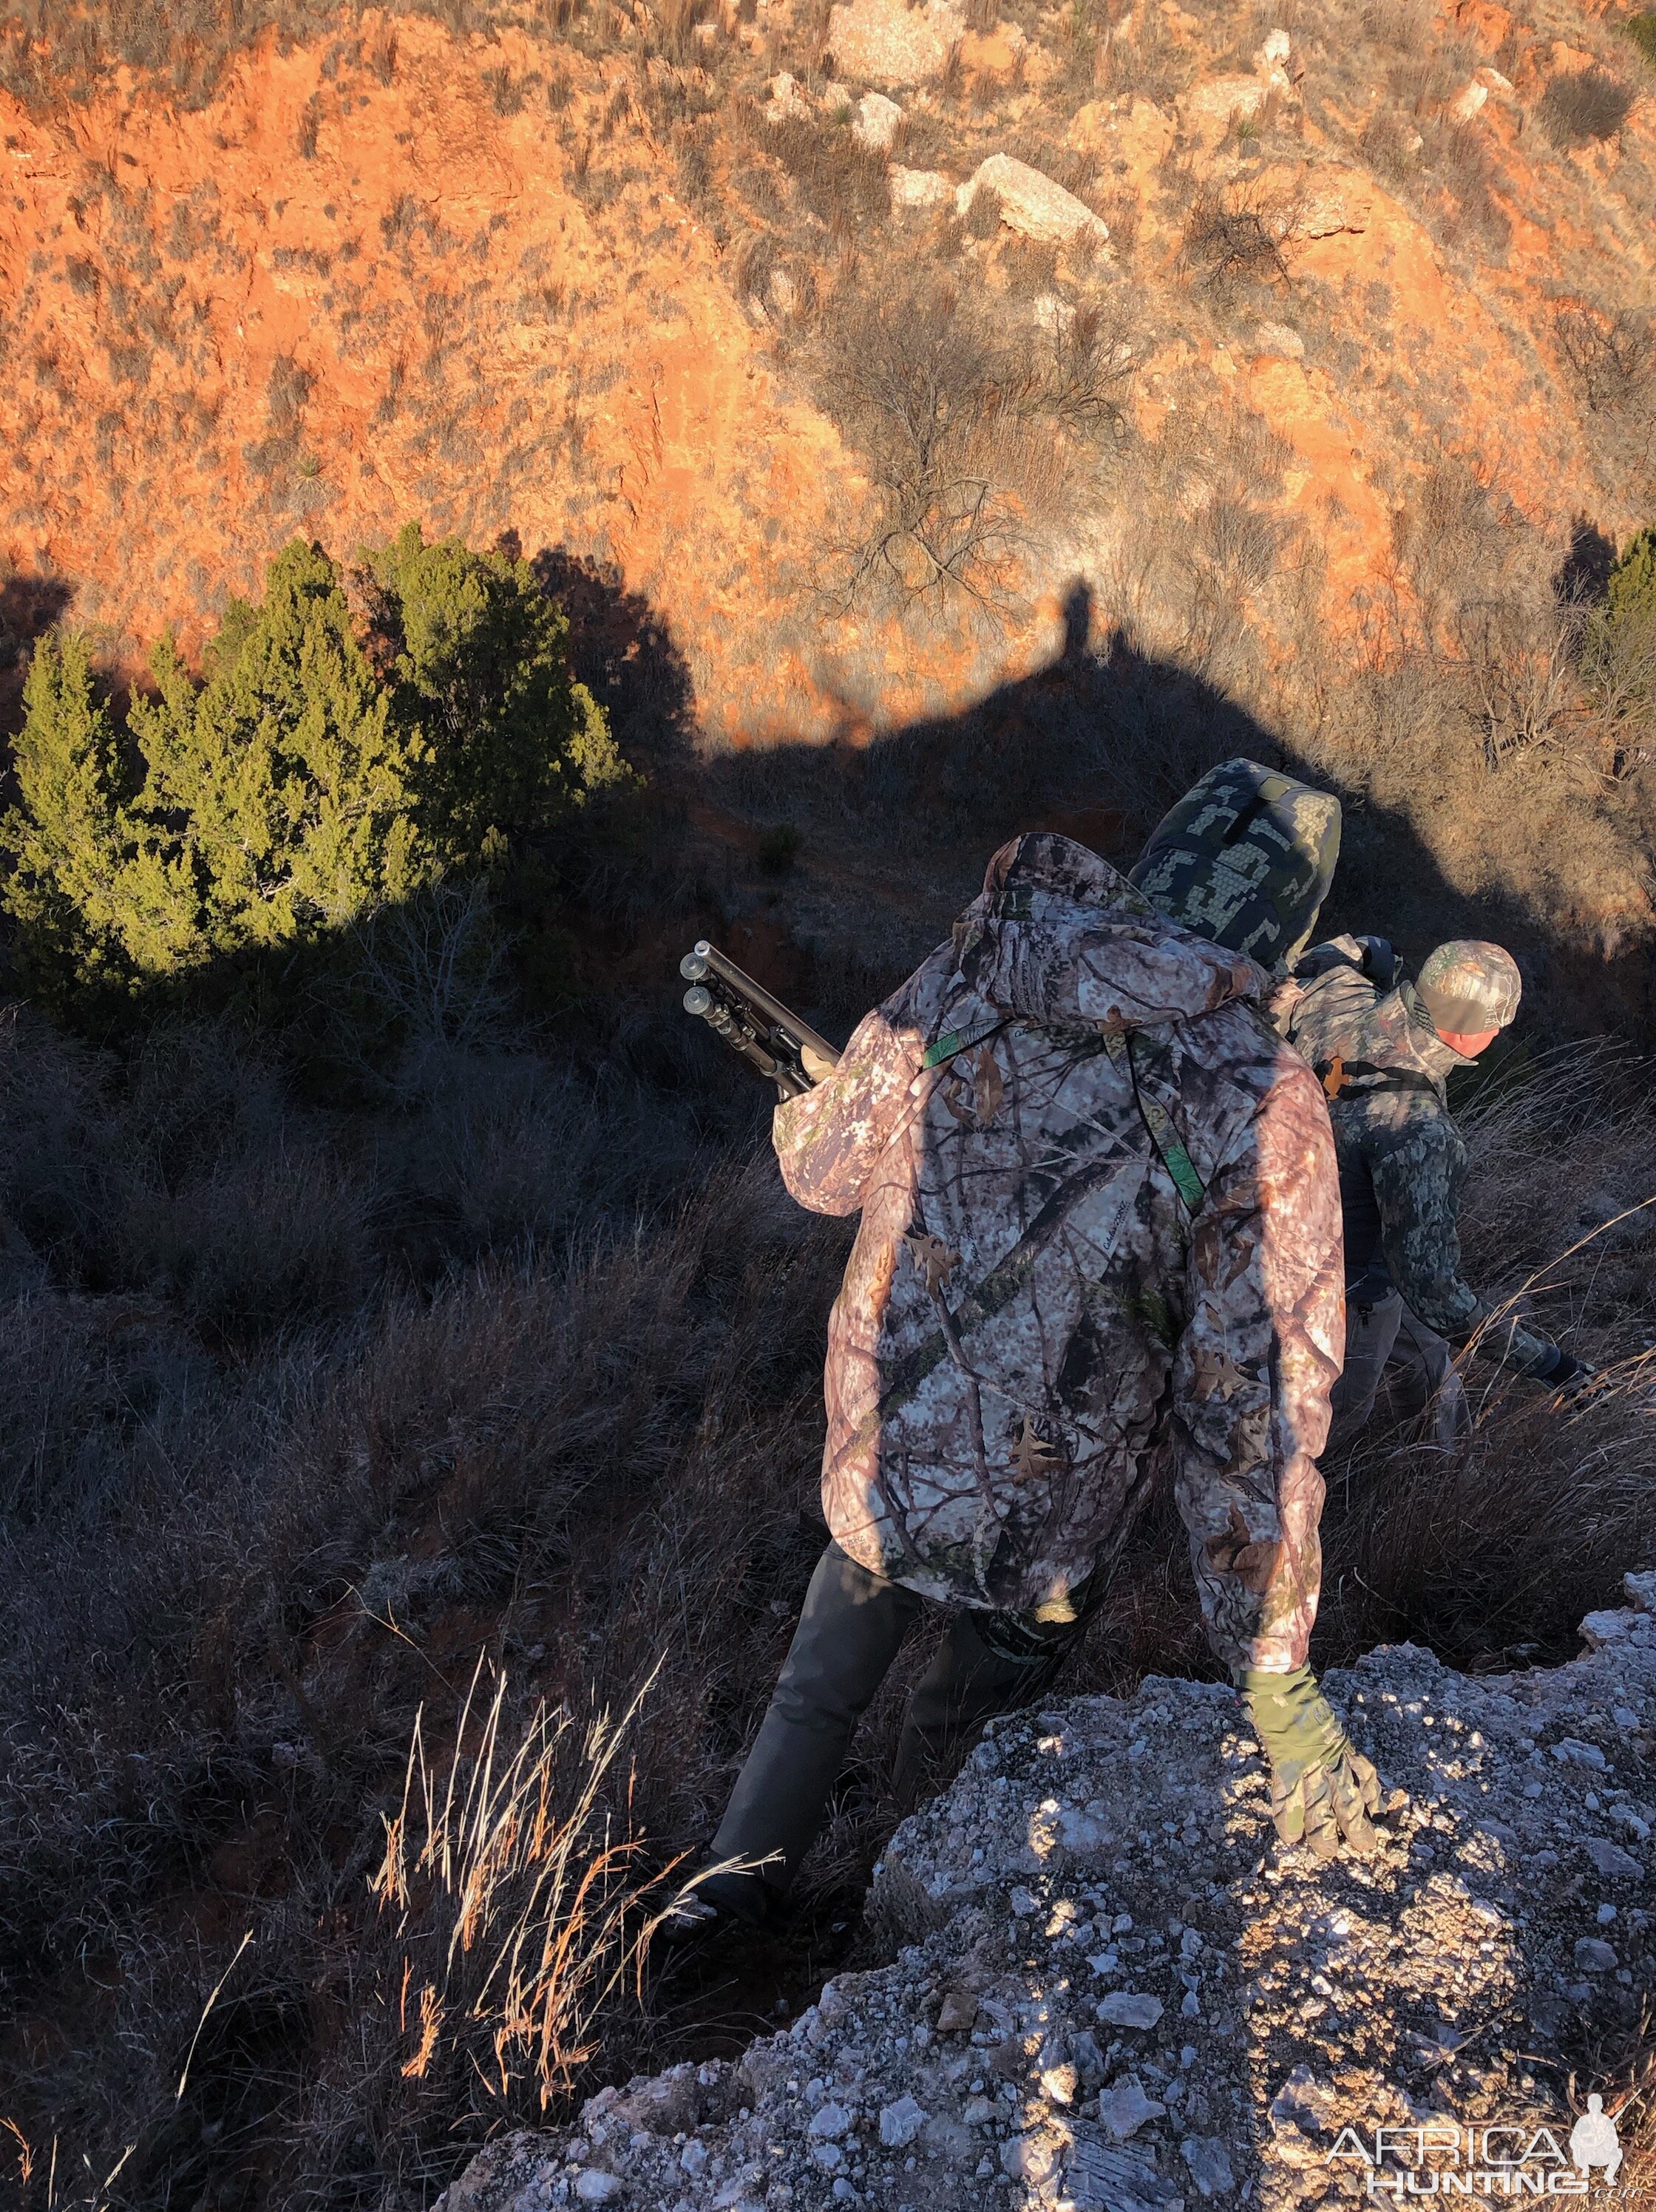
1610 353
1519 664
840 182
954 415
1228 237
922 384
1584 107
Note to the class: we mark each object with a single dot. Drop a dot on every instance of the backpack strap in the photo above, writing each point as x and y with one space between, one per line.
1158 1123
1353 1078
952 1042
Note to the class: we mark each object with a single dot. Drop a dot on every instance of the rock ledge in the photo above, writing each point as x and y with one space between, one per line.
1113 1992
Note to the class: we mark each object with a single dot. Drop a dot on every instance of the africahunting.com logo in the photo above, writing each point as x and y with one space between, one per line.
1492 2159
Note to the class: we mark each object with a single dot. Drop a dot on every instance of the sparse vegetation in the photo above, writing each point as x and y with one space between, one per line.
1610 354
1583 107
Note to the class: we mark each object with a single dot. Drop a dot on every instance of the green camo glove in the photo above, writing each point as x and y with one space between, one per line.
1322 1791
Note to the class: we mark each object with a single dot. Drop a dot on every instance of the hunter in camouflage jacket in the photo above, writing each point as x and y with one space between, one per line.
1034 1321
1402 1158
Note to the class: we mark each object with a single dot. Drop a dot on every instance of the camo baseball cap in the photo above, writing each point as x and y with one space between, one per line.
1246 858
1467 987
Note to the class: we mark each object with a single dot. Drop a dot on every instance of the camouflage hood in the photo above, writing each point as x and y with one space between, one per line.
1246 857
1058 937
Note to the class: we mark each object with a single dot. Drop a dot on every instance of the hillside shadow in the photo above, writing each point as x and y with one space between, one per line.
623 650
29 606
1097 744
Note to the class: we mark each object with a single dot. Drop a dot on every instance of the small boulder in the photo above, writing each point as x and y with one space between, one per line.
1129 2009
1277 342
1613 1626
1330 200
595 2186
1209 2165
785 101
1060 2082
1033 2158
882 42
1640 1590
1124 2107
1031 202
900 2122
876 122
1612 1860
1570 1751
1594 1956
919 189
1213 109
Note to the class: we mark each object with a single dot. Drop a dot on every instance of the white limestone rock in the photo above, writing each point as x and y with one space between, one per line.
882 42
1031 202
875 124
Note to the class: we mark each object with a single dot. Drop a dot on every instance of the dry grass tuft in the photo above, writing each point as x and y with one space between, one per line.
1584 107
519 1915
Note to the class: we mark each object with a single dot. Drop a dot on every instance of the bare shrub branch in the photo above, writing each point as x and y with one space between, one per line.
955 415
1611 356
1230 237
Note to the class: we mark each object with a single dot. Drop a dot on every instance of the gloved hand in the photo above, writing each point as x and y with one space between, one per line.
1322 1791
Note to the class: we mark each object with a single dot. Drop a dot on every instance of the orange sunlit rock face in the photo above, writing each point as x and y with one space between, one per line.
338 299
403 277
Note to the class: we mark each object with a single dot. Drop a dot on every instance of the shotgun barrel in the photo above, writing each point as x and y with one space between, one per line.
769 1036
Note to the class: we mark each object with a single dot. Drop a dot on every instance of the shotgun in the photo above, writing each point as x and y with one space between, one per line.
752 1023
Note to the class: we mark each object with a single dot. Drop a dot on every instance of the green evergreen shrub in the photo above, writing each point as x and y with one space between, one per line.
508 745
69 842
330 764
1633 581
1619 643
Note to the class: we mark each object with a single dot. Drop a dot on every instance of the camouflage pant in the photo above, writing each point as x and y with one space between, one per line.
850 1628
1388 1351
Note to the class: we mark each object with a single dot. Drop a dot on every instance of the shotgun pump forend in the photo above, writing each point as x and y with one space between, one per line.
761 1028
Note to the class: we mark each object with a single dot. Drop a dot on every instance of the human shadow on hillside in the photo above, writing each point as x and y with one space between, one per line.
1097 744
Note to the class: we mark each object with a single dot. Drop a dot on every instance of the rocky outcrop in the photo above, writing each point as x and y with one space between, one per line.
882 42
1031 202
1112 1990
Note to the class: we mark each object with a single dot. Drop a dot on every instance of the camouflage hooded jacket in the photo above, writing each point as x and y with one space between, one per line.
1402 1159
1032 1327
